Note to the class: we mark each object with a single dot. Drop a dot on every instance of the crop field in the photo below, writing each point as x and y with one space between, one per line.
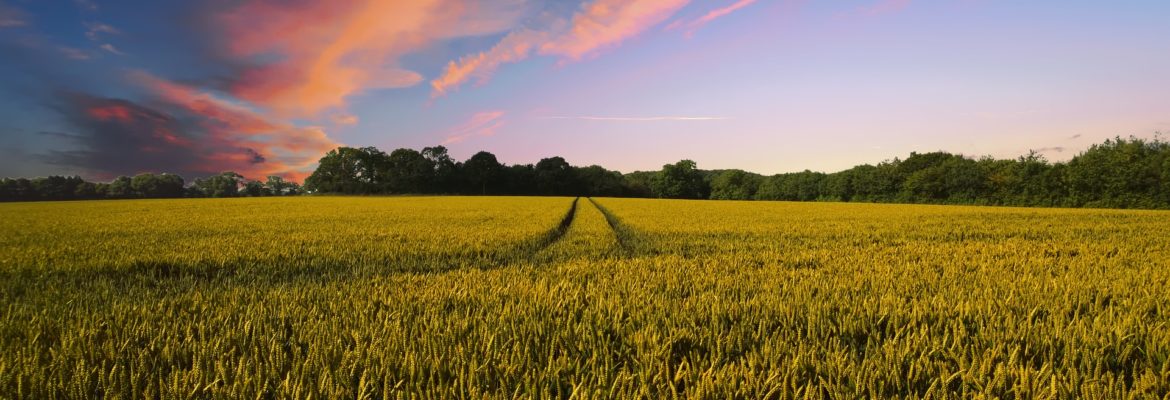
556 297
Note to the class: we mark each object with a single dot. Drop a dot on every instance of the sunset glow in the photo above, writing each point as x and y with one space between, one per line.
265 87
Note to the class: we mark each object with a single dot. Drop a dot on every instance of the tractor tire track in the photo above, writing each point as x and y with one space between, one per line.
558 232
625 236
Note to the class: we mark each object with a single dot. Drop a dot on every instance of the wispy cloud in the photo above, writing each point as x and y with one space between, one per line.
694 25
308 56
95 30
11 17
597 26
109 48
516 46
608 23
641 119
481 124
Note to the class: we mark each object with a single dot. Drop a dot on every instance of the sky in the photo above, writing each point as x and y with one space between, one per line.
101 88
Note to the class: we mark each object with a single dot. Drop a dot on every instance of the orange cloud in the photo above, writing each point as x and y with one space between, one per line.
311 55
607 23
692 26
512 48
272 147
598 25
481 124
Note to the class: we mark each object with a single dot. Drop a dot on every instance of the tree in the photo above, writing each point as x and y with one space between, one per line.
483 170
226 184
519 179
120 188
408 172
254 189
445 178
600 182
19 189
350 170
277 186
555 177
56 187
735 185
638 184
680 180
149 185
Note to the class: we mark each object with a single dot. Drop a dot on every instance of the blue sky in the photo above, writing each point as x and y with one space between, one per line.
105 88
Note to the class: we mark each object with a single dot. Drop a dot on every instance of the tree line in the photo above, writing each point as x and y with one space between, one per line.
1119 173
143 186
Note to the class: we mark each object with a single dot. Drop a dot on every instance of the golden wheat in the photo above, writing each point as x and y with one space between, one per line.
531 298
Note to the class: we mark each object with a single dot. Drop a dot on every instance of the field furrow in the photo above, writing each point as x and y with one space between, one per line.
589 236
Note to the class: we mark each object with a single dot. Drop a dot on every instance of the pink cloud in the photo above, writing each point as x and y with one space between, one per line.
598 25
512 48
287 150
481 124
607 23
694 25
309 56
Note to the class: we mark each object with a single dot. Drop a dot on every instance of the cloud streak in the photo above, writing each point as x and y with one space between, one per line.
712 15
597 26
479 125
109 48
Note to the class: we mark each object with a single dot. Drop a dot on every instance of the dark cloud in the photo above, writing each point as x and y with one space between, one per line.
1053 149
254 157
120 137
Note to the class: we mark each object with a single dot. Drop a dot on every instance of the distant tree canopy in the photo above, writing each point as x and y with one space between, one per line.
142 186
1119 173
433 171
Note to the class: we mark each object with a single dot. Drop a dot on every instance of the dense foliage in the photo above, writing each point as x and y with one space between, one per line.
547 297
143 186
1119 173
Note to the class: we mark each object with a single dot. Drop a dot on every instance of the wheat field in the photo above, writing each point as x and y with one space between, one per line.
529 297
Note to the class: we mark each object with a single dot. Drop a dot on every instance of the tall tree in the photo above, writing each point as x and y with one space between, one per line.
408 172
681 180
555 177
483 172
